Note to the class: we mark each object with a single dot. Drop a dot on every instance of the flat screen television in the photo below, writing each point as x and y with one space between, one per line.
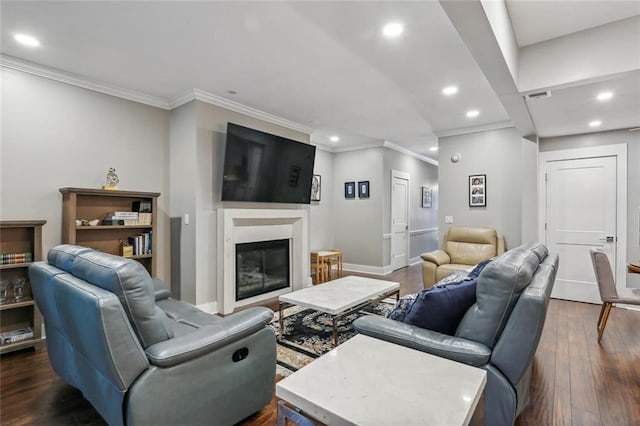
266 168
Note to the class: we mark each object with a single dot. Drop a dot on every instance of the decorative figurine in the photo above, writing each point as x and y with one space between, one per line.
112 180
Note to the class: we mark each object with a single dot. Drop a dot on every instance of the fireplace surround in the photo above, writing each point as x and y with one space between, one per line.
239 226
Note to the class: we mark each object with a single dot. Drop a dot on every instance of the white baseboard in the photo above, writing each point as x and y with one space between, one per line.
366 269
415 260
210 308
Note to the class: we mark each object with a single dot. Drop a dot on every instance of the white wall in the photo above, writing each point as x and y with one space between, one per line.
498 154
632 140
56 135
321 217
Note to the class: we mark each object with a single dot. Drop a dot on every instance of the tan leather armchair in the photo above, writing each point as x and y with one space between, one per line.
462 248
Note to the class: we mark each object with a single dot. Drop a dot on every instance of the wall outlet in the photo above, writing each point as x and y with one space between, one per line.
448 219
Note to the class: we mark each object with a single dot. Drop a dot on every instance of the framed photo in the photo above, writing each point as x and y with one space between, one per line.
363 189
426 197
315 187
349 190
478 191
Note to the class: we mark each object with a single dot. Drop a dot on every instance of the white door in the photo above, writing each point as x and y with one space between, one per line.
580 215
399 222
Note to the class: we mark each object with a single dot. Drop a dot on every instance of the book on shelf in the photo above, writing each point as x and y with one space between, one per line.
15 258
142 206
141 244
127 219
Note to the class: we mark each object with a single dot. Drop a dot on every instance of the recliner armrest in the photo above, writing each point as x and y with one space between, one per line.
451 347
209 338
439 257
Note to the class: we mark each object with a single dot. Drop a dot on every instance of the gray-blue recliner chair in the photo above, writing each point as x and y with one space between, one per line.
142 358
499 333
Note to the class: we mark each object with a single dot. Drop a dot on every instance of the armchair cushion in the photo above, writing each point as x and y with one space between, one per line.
439 257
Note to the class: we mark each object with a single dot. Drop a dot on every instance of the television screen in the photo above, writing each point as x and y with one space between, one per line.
266 168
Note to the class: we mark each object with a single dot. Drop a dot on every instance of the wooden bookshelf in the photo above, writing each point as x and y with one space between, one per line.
20 236
89 204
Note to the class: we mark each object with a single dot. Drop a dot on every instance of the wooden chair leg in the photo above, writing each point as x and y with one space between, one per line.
602 309
604 320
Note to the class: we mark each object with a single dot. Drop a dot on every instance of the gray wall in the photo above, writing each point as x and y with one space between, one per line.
529 191
423 222
56 135
182 150
357 223
498 154
632 140
321 217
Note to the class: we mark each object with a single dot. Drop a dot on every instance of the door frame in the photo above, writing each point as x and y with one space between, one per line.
619 151
407 177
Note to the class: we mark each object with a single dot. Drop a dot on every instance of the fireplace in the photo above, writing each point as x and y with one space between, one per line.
261 267
237 227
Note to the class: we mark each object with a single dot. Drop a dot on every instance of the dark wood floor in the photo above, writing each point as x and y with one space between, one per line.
575 381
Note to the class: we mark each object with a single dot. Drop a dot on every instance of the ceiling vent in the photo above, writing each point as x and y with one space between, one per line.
539 95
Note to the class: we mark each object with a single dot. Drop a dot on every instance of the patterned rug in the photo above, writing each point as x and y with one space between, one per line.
308 333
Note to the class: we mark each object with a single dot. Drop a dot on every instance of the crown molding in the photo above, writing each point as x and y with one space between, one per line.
11 62
380 144
79 81
405 151
216 100
323 148
358 147
476 129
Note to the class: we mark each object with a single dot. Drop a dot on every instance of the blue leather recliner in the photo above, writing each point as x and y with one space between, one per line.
499 333
141 357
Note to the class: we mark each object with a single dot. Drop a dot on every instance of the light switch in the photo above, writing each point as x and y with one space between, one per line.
448 219
186 218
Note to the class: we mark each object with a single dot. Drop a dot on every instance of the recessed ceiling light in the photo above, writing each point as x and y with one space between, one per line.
595 123
27 40
334 138
433 148
450 90
473 113
392 29
604 96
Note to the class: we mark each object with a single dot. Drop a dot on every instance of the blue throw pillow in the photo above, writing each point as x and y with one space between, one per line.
441 308
402 308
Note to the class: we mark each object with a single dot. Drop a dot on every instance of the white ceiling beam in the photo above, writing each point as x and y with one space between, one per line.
477 32
597 54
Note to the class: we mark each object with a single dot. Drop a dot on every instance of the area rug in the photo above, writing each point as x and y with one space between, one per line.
308 333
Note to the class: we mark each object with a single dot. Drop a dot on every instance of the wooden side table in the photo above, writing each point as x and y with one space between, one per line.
323 261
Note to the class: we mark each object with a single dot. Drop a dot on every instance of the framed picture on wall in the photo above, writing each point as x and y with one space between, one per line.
478 191
315 187
426 197
349 190
363 189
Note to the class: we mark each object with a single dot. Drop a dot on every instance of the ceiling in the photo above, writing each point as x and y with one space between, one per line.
324 65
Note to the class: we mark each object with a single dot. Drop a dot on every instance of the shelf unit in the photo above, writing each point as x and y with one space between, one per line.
89 204
20 236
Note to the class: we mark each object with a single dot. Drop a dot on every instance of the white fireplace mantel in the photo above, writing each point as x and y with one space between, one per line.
252 225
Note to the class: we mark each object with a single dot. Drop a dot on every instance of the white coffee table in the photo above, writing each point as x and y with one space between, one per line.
339 297
367 381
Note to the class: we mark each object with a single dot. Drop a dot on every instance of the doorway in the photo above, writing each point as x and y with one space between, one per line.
583 207
399 219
